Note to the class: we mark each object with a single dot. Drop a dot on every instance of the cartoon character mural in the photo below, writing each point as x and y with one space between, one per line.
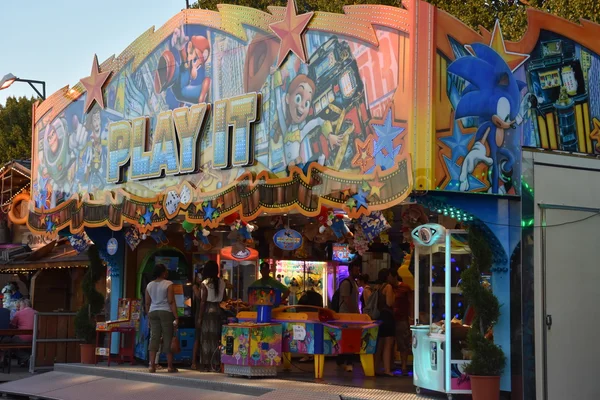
501 96
182 68
342 107
494 97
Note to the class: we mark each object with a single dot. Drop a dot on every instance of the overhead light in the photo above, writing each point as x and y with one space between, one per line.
7 80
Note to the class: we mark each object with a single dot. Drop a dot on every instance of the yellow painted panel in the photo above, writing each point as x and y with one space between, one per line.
543 132
551 131
580 129
586 123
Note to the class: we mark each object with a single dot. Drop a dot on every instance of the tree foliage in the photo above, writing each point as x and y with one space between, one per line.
487 359
85 319
474 13
15 129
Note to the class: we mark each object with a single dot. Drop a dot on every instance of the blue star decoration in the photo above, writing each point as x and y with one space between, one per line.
387 146
49 224
454 184
209 211
148 216
361 199
458 142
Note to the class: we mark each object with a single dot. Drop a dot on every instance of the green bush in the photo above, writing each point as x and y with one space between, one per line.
487 358
85 319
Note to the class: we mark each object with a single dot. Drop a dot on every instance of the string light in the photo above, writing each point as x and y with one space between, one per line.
33 269
16 194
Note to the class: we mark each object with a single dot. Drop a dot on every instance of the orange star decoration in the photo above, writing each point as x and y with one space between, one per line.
364 154
595 135
290 32
376 185
513 60
93 85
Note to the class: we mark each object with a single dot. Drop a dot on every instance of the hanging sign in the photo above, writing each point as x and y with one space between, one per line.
112 246
429 234
288 239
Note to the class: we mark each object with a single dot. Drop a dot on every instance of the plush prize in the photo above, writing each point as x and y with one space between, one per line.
202 236
328 219
240 229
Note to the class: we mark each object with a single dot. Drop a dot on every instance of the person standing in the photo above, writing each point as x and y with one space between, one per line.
4 317
387 329
363 282
349 305
210 317
266 281
162 313
403 315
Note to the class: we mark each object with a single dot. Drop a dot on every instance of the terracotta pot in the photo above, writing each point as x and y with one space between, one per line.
88 353
485 387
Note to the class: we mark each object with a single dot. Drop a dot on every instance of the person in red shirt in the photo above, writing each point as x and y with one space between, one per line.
23 319
403 315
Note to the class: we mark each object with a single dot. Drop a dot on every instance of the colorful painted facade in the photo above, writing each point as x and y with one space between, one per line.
249 112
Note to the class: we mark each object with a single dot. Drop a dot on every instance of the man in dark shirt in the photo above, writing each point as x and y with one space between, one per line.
4 316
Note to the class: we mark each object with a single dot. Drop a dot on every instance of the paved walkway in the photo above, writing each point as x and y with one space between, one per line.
69 381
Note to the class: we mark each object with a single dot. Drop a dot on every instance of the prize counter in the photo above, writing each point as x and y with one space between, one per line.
263 340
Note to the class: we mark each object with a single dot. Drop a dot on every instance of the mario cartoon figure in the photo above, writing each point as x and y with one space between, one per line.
185 75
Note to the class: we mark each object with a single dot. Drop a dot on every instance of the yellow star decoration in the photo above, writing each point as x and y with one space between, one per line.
157 207
595 134
513 60
376 186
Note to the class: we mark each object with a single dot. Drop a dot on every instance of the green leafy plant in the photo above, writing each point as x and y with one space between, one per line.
487 358
85 319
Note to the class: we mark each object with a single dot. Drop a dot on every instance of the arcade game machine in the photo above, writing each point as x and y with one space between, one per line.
320 332
438 360
556 78
239 270
253 348
127 324
178 267
301 276
337 271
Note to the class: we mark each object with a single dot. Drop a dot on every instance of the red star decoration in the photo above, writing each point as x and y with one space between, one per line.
93 85
364 154
290 32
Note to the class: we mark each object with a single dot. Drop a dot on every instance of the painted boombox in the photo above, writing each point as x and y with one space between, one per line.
340 100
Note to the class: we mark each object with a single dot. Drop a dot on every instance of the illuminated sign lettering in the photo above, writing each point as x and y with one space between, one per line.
175 142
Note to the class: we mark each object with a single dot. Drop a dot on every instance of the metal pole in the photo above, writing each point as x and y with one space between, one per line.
417 286
34 344
187 4
448 319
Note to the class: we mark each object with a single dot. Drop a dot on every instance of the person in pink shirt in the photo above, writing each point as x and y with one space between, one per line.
23 319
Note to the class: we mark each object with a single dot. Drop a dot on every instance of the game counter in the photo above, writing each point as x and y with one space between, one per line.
323 333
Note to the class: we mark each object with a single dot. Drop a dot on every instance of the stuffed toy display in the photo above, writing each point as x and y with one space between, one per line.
328 219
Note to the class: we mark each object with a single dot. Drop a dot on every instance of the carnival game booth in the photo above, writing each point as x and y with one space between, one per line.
439 340
313 331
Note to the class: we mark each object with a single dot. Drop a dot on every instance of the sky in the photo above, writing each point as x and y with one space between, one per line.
55 41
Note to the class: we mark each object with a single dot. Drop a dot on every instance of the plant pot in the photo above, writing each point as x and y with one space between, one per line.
485 387
88 353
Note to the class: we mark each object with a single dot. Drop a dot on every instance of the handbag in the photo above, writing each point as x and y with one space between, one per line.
175 345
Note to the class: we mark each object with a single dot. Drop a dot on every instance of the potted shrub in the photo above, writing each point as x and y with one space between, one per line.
85 319
487 359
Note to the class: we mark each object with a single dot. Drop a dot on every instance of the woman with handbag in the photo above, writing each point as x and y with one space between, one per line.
162 313
212 293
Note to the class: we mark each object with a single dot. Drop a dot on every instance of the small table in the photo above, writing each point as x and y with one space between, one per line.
124 352
4 333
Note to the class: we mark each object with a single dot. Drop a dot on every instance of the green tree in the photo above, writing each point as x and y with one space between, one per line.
511 13
15 129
